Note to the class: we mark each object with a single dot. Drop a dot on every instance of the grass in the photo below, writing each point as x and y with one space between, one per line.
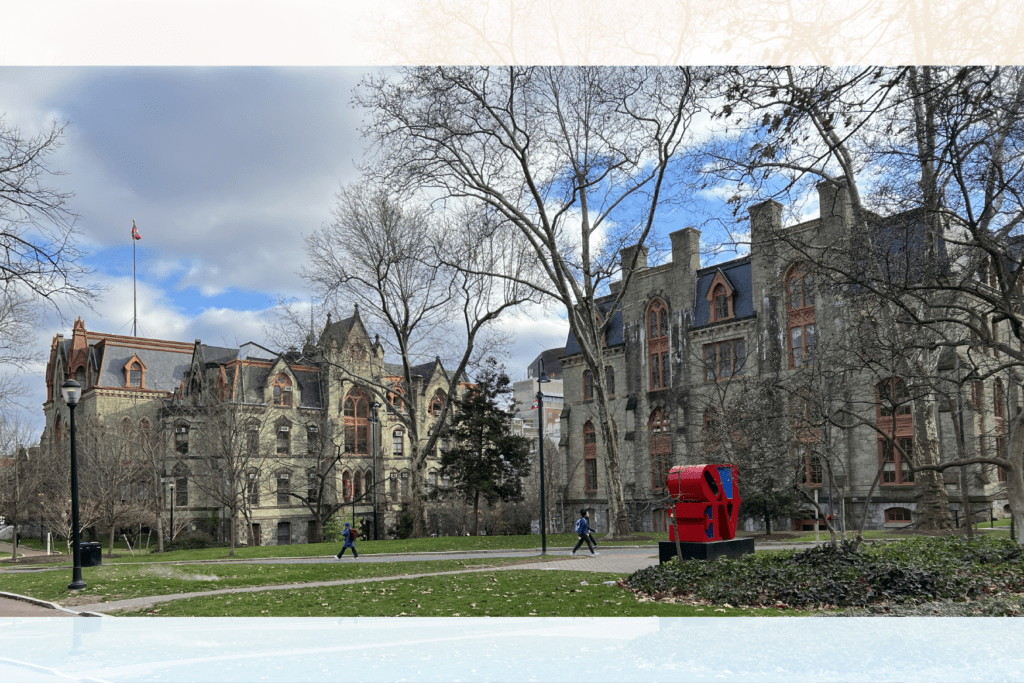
123 582
513 593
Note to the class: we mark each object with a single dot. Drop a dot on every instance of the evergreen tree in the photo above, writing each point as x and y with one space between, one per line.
485 458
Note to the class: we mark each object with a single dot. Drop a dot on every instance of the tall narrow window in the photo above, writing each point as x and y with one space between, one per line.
181 438
283 391
895 421
588 385
283 489
800 295
657 344
346 486
397 442
312 440
609 380
661 448
357 425
252 488
405 484
721 303
284 440
181 492
725 359
357 485
437 402
590 456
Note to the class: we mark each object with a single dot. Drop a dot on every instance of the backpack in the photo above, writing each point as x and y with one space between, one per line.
579 526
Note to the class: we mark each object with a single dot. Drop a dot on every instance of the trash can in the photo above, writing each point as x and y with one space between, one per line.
92 554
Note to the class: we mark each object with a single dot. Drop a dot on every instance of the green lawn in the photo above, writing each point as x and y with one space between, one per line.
499 594
123 582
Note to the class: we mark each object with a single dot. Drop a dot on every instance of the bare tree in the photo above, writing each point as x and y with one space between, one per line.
384 255
21 476
926 168
226 444
576 159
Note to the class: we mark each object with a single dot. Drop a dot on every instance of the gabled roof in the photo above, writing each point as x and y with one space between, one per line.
614 336
737 273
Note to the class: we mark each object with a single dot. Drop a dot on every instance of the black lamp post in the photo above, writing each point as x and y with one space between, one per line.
373 446
172 509
72 391
542 378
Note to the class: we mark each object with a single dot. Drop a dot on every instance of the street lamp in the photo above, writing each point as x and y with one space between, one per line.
542 378
172 509
71 391
373 446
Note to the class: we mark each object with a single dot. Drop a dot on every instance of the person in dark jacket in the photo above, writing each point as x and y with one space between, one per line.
583 532
350 542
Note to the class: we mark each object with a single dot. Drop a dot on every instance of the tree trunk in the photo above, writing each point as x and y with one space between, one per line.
618 522
929 490
232 534
475 526
110 545
767 524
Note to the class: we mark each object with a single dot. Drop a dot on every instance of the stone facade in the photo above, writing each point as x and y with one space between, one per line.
297 407
685 335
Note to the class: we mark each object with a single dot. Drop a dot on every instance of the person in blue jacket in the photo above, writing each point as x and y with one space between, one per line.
583 532
350 542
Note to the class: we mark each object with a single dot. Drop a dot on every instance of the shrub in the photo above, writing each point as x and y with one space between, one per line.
911 571
192 543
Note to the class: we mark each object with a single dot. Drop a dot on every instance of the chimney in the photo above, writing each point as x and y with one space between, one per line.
834 206
765 221
686 248
627 256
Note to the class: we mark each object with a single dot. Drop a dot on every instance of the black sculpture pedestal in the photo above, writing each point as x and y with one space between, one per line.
709 552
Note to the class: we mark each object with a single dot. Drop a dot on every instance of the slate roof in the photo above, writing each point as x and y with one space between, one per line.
165 368
615 333
737 272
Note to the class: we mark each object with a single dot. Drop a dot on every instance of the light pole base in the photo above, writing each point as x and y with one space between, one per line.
76 585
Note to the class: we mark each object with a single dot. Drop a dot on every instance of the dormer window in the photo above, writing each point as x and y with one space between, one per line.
134 374
720 298
283 391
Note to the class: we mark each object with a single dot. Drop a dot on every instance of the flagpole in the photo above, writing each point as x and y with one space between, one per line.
135 310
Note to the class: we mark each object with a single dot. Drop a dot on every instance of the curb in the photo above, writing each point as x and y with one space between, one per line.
49 605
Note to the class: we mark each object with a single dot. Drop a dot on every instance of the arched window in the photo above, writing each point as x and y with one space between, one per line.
397 400
134 374
721 300
368 481
588 385
346 485
800 300
437 402
657 344
999 413
609 379
283 391
397 442
357 424
590 456
181 438
357 485
432 479
900 516
895 419
661 449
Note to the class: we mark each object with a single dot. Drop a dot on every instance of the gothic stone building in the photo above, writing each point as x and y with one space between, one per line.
684 330
296 404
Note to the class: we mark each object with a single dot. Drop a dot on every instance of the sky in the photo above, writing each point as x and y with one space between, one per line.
223 170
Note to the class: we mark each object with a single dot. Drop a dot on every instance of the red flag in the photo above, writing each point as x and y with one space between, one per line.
135 232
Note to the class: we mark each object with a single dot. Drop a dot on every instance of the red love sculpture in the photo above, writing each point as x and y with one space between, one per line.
708 502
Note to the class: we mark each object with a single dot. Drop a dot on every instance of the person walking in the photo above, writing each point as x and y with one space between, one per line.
583 532
349 534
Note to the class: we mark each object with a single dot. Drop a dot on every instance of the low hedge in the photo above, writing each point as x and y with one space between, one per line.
907 571
192 543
